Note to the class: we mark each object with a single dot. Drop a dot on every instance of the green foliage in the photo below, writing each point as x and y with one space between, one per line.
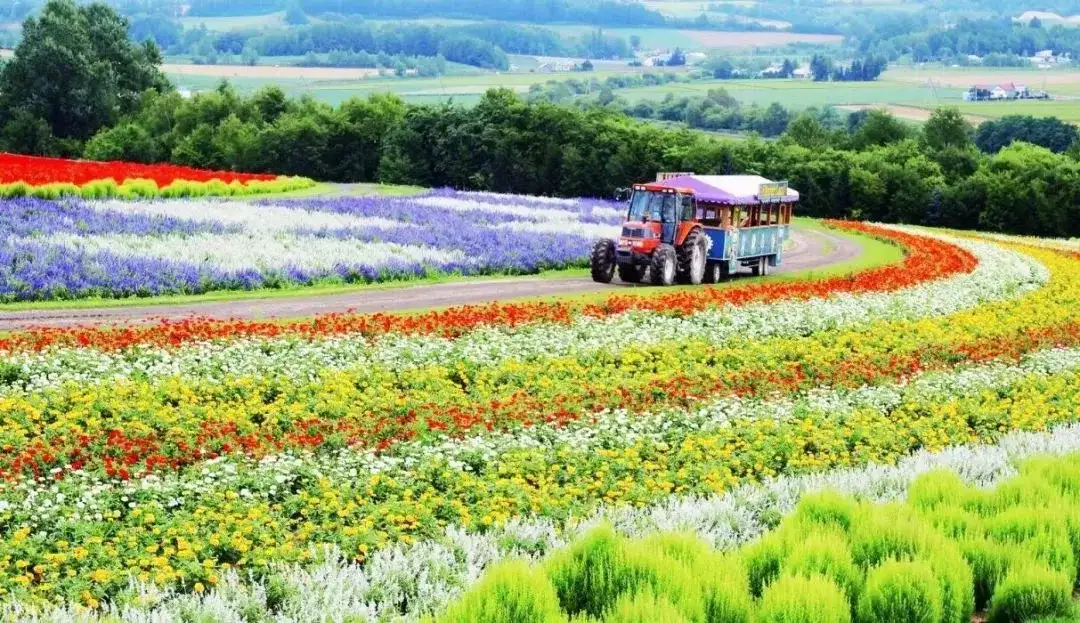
827 554
592 574
148 189
955 578
763 560
1049 132
890 531
511 592
1030 590
644 607
946 128
74 72
827 509
989 561
949 549
901 592
797 599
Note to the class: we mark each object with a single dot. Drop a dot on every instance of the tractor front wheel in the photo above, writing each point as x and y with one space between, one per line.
664 265
630 273
603 261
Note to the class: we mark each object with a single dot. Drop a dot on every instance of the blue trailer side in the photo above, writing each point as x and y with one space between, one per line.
738 245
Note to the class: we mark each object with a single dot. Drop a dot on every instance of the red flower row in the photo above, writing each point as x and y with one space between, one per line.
37 171
927 259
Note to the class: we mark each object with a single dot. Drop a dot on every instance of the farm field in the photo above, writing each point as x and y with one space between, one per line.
462 88
393 466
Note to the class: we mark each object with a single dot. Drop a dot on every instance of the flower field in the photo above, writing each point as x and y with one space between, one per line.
50 178
74 249
445 463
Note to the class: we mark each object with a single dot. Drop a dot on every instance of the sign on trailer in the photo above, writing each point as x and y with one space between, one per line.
772 191
667 175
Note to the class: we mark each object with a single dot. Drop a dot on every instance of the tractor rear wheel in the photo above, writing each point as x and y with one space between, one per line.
629 273
693 255
603 261
664 265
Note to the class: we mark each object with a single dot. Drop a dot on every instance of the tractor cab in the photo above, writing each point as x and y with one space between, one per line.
654 216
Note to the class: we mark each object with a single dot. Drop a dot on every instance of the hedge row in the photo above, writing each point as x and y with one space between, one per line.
947 552
148 189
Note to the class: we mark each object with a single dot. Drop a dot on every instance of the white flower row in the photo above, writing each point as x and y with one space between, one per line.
406 582
583 230
257 251
248 217
552 215
1058 244
1000 274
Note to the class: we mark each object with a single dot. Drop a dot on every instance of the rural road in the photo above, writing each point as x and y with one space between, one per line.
810 249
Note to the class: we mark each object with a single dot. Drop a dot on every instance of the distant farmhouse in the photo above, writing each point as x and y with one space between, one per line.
1007 91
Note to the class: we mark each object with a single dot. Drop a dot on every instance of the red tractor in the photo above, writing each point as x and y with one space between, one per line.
661 236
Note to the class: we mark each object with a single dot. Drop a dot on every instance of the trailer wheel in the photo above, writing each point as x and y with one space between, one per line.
664 265
630 273
761 267
764 267
715 272
692 255
603 261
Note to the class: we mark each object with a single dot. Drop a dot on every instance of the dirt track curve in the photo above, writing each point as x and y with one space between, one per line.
810 249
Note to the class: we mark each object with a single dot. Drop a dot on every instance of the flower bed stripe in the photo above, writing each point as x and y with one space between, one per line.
151 425
927 259
1000 274
35 170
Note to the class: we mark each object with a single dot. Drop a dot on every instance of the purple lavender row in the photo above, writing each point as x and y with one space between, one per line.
27 218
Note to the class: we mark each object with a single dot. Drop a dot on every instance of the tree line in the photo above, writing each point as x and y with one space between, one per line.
78 87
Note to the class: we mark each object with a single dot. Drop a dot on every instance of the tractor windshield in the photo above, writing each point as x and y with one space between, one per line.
648 205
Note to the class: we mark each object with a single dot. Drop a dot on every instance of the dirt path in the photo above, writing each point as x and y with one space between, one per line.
810 249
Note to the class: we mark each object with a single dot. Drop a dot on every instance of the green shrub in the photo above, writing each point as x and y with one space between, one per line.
1063 473
763 560
100 189
1030 590
583 574
826 553
937 489
797 599
989 561
901 592
890 531
1019 491
643 568
722 580
644 607
138 189
956 580
725 589
955 522
826 509
686 548
590 575
15 190
510 592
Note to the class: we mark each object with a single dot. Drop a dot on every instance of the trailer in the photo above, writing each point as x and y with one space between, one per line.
698 229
